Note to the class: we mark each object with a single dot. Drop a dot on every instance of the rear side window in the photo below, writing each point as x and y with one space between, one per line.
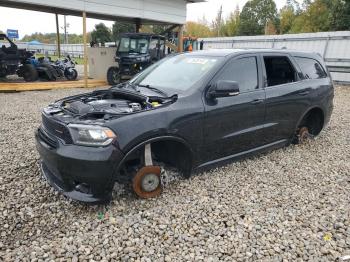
244 71
311 68
279 70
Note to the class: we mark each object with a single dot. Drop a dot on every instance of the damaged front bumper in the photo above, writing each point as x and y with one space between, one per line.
82 173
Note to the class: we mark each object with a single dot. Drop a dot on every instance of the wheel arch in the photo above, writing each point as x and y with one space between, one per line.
183 144
311 111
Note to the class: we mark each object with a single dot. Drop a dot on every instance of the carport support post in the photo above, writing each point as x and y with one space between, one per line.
137 25
85 51
180 47
58 37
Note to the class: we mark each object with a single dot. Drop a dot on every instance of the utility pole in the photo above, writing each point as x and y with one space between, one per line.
65 26
219 20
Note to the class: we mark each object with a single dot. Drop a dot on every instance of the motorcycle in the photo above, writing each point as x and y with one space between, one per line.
50 70
67 66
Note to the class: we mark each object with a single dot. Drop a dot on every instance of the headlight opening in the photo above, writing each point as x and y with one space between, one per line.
91 135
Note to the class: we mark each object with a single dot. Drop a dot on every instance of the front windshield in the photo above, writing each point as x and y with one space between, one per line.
133 45
176 73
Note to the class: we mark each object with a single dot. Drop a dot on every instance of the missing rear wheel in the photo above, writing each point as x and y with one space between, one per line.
147 182
303 135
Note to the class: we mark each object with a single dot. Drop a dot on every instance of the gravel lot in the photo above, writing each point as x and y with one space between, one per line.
292 203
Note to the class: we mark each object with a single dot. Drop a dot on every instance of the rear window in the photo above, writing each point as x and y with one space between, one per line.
311 68
279 70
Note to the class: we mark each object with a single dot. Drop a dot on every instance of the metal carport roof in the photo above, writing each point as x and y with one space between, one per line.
143 11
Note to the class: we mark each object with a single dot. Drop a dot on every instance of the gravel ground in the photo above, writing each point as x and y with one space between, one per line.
292 203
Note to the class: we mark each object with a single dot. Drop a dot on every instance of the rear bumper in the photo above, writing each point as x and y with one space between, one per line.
84 174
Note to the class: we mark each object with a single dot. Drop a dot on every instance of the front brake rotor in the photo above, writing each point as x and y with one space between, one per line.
303 134
147 182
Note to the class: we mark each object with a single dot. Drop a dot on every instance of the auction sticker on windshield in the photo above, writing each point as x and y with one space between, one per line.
201 61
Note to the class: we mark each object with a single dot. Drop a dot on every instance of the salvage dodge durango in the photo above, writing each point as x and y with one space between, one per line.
189 111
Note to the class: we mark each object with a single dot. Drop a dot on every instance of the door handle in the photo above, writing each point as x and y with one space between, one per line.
303 93
257 101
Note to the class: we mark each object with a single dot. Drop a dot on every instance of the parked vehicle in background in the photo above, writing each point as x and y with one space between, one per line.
190 111
53 70
67 66
136 51
15 61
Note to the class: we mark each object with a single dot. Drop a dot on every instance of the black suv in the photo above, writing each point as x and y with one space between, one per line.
191 111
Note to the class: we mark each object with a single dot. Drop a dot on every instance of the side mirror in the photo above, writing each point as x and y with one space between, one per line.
224 88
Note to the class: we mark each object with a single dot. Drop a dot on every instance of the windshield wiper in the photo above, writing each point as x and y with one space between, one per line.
154 89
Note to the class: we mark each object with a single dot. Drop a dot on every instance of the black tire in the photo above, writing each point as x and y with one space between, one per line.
30 74
71 74
47 72
3 74
113 75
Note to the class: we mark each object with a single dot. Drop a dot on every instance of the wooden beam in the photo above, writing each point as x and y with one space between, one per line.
85 51
171 45
21 86
180 46
58 37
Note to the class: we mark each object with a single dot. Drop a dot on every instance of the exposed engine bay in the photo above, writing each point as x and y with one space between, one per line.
104 104
114 106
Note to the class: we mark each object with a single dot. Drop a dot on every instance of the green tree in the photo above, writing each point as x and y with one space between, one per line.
255 16
101 34
339 14
159 29
287 18
156 29
121 27
197 30
314 18
294 5
51 38
231 25
218 24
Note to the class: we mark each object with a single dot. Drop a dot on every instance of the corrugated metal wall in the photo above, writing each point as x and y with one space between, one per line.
333 46
75 50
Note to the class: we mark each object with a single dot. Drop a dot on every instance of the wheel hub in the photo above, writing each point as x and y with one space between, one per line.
116 75
147 182
303 134
150 182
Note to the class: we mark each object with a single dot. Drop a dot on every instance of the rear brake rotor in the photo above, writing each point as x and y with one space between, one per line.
147 182
303 134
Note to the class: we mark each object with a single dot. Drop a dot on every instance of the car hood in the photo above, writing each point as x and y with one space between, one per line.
103 105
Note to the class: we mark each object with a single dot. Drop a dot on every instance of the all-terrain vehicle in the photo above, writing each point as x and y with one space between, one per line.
135 52
15 61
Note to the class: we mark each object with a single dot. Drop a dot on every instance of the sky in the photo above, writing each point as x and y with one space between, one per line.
28 22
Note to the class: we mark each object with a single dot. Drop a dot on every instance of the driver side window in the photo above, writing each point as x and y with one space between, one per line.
242 70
